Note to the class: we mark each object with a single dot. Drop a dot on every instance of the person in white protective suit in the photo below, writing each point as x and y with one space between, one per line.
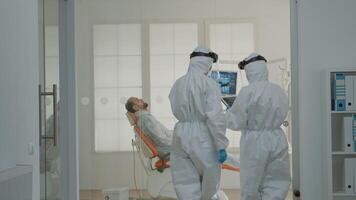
199 140
258 111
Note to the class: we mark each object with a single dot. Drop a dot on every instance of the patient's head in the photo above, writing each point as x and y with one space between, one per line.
135 104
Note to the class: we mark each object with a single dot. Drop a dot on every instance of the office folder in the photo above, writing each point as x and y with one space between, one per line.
349 92
349 145
354 91
354 131
340 91
349 166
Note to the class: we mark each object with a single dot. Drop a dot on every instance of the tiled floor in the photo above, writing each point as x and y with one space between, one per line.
97 195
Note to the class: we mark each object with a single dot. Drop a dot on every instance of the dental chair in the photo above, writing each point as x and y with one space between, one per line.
159 176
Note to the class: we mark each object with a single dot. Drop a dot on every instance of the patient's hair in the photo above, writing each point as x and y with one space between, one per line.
129 105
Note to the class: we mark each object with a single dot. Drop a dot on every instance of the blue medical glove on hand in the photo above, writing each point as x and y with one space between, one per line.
222 155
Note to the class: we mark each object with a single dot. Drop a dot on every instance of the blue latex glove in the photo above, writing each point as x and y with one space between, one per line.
222 155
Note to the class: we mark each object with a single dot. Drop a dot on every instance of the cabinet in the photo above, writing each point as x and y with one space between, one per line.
336 148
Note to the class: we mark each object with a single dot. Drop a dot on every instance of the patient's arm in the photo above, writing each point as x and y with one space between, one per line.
151 126
233 160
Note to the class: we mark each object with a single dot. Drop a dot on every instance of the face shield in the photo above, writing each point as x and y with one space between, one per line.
243 63
212 55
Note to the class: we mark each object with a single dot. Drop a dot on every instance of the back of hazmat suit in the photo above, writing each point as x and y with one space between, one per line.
258 111
199 133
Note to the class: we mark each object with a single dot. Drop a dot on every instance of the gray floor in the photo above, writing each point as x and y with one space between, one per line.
134 195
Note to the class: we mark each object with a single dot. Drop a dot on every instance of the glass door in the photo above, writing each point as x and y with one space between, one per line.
49 95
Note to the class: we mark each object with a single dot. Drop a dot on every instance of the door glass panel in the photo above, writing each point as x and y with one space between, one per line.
49 150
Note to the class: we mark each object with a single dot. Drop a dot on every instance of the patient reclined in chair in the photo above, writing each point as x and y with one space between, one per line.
157 132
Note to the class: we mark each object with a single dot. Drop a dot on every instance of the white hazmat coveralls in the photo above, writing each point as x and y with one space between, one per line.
258 111
199 132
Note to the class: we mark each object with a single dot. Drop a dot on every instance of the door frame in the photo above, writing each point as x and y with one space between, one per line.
295 96
68 104
69 185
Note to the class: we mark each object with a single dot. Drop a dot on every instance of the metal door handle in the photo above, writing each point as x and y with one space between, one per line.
54 94
40 113
55 115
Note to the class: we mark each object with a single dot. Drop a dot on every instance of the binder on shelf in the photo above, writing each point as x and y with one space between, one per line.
349 92
354 91
340 92
353 125
349 167
354 177
349 136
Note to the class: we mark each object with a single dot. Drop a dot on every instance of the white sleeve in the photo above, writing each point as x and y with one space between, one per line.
215 117
155 130
236 116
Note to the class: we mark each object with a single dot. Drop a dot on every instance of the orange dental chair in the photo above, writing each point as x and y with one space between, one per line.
159 181
151 152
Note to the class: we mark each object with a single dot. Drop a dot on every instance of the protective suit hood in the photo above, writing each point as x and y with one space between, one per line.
200 64
256 71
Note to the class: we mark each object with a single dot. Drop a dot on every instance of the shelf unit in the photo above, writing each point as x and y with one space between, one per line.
334 151
342 194
342 153
343 112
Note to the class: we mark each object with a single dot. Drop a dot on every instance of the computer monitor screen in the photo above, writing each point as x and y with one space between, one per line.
226 80
228 101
